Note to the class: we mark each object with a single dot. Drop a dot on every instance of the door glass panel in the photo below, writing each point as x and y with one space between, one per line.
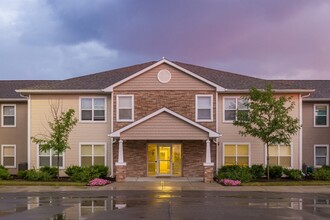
176 160
152 159
164 167
164 160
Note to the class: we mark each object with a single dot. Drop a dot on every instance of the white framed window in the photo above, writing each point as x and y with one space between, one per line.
8 156
125 108
236 154
280 155
49 159
321 115
321 155
204 108
92 154
231 106
92 109
8 113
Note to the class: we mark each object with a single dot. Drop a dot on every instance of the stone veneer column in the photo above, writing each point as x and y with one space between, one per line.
120 165
208 165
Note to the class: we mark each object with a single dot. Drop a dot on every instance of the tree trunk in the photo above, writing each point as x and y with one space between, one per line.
58 165
267 161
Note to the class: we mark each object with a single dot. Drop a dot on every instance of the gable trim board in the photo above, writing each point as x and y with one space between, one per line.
164 61
211 133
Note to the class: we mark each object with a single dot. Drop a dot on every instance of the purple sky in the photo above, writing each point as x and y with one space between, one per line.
273 39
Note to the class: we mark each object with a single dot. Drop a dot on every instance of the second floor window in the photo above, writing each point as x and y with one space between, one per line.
8 116
92 109
203 107
321 114
125 108
231 105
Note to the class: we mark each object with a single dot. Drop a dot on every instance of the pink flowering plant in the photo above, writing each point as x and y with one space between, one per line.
98 182
229 182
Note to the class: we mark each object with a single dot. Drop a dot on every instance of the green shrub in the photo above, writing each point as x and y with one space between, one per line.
4 174
322 173
52 171
257 171
274 172
293 174
22 174
87 173
37 175
235 172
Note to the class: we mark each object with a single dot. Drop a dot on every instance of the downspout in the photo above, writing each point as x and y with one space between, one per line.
301 129
111 139
28 130
217 130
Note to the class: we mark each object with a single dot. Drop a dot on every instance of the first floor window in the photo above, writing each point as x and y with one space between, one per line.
321 155
8 156
8 115
203 107
236 154
280 155
92 154
50 159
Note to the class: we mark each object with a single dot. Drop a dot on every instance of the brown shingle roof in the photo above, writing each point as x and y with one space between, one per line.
8 87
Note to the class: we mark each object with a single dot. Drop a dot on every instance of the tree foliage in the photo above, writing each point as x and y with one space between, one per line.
268 118
57 138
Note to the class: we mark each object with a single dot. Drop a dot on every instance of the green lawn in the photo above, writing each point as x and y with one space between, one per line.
38 183
289 183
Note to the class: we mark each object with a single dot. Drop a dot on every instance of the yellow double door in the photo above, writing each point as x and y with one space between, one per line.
164 160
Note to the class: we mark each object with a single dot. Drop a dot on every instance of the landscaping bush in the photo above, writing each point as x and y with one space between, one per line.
257 171
235 172
52 171
4 174
22 174
37 175
274 172
85 174
293 174
322 173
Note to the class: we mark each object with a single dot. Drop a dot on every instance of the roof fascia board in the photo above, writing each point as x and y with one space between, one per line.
316 99
23 91
13 100
212 134
110 88
275 90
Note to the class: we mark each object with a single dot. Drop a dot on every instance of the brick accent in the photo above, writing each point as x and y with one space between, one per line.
208 174
147 102
120 173
193 157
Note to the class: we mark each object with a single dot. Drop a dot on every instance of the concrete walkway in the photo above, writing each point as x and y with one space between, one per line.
168 185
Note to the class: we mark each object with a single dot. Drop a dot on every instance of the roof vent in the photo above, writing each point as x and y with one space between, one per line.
164 76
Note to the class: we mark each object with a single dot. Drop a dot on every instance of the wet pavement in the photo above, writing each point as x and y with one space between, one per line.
162 203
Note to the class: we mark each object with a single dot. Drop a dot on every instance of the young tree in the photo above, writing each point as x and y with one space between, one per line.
267 118
57 138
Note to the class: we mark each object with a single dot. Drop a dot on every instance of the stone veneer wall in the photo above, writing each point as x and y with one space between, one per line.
194 152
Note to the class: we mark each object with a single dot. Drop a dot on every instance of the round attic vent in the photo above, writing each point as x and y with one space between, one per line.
164 76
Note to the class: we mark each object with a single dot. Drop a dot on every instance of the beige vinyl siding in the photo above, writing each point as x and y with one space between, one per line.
164 127
312 135
230 134
82 132
149 81
16 135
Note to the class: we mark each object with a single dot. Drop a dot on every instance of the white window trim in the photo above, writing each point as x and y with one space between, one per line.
327 156
327 121
2 156
235 143
224 107
50 155
92 121
94 143
291 146
2 115
196 108
117 108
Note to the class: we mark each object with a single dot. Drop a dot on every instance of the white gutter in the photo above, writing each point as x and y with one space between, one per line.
274 90
61 91
316 99
13 100
301 129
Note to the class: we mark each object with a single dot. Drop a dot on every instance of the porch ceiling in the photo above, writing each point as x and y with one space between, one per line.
164 124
